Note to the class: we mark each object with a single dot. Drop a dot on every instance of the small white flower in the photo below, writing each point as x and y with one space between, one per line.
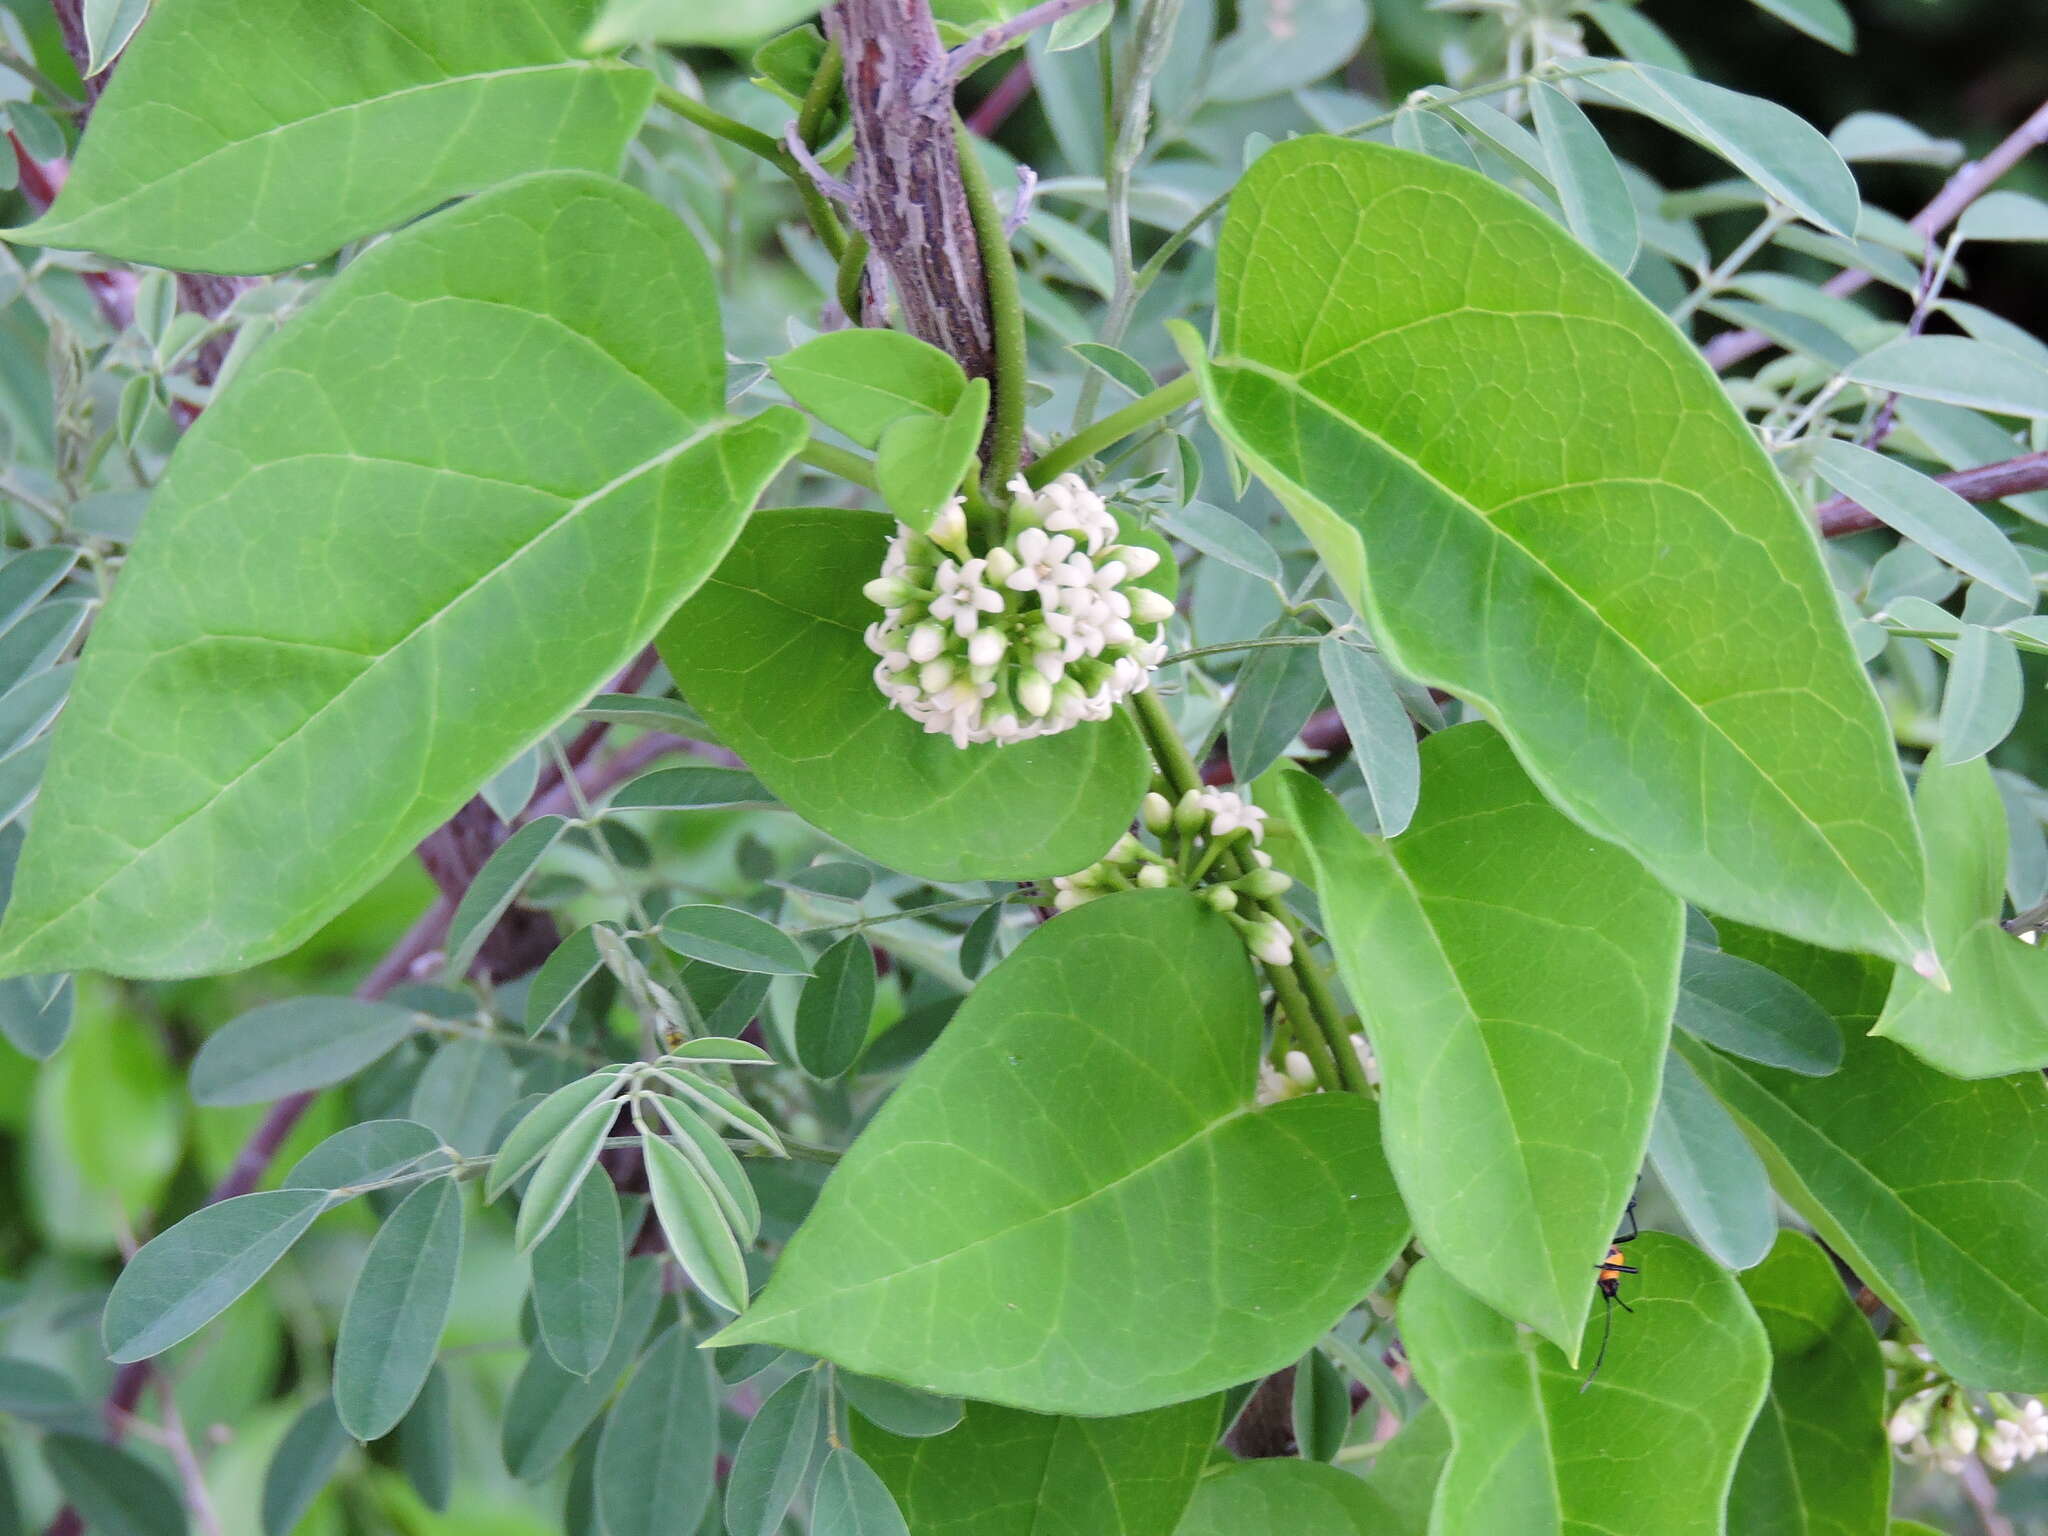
1230 813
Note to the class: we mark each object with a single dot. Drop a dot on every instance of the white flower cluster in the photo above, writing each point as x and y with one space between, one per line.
1044 631
1212 814
1943 1424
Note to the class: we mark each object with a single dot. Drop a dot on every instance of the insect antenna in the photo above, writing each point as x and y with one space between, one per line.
1606 1330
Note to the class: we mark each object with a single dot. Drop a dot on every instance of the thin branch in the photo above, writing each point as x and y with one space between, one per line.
986 45
600 779
995 108
1962 189
1986 482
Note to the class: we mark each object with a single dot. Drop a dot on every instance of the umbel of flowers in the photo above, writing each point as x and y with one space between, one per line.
1193 835
1046 629
1940 1421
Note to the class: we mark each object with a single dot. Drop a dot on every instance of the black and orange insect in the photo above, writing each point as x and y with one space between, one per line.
1608 1280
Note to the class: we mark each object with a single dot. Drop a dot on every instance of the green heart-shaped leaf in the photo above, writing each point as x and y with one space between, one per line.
1542 500
1818 1448
923 459
501 434
1008 1473
1934 1191
1524 997
1072 1206
862 381
1994 1017
367 116
1651 1445
771 652
1301 1498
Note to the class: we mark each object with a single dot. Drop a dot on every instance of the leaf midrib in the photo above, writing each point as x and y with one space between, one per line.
1884 1190
1294 386
1208 1130
157 184
569 514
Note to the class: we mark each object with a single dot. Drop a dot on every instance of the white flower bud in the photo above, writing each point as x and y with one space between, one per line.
949 528
1300 1068
1155 877
1141 558
1149 607
1191 815
1220 897
987 648
925 642
1156 811
889 591
1910 1418
1002 565
1034 693
935 674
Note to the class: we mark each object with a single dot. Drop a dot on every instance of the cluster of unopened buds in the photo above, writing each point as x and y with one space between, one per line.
1193 835
1047 629
1296 1075
1946 1425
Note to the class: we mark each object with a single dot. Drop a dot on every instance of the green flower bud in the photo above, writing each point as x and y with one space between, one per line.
1264 884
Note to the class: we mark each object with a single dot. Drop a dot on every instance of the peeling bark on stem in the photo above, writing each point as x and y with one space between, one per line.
909 200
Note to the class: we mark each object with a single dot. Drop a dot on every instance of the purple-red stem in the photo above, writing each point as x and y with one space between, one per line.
1962 189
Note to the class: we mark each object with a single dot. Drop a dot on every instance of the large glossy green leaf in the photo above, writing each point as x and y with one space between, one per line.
1070 1205
1934 1191
1816 1463
1649 1448
770 651
1541 499
392 1326
1518 1000
366 115
1994 1017
1300 1498
1007 1473
500 435
729 23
